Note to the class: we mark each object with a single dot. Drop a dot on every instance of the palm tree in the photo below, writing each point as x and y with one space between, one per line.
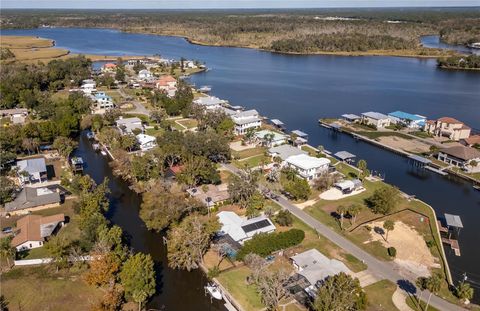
434 283
341 210
388 225
464 291
421 283
354 210
6 249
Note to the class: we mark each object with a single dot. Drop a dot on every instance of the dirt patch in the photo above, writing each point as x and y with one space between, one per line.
238 146
410 145
413 254
334 194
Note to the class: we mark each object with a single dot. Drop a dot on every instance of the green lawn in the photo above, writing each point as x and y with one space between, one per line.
188 123
379 296
154 132
414 304
248 153
253 161
39 288
235 282
422 134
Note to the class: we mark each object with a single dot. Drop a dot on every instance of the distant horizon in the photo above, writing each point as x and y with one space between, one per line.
229 4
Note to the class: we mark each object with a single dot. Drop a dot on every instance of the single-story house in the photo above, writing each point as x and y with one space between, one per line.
285 151
461 156
409 120
376 119
245 120
210 195
308 167
146 142
31 198
271 138
448 127
316 268
17 115
242 229
350 117
31 170
210 102
471 141
34 230
127 125
144 74
347 186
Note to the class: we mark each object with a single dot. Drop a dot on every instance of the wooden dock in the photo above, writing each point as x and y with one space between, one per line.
453 245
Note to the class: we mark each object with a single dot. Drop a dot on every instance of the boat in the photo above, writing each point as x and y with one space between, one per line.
90 135
476 187
103 152
96 147
205 88
213 290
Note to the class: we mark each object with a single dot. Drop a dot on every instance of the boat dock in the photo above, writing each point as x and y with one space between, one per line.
451 231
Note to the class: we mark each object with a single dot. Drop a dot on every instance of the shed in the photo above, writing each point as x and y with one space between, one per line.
350 117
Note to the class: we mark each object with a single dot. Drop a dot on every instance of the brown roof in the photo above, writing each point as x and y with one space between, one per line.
462 152
35 228
164 80
449 120
472 140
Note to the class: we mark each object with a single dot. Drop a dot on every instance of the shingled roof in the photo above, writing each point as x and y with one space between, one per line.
462 152
36 228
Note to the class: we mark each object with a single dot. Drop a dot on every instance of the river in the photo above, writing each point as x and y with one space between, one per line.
301 89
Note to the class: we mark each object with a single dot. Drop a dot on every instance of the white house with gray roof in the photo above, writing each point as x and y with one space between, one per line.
245 120
242 229
31 170
285 151
128 125
308 167
377 119
210 102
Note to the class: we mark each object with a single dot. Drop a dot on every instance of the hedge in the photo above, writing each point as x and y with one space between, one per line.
263 244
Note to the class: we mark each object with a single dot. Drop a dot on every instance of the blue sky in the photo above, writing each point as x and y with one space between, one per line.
209 4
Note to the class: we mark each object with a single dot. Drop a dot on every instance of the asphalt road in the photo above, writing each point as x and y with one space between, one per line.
380 269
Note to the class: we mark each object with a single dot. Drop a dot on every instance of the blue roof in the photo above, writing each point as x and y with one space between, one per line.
405 116
102 95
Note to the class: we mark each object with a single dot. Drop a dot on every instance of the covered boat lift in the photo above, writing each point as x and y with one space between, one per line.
345 156
454 224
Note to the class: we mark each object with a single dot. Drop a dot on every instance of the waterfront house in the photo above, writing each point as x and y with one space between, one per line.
300 138
146 142
448 127
129 125
144 74
168 84
109 68
242 229
350 117
16 115
270 138
467 158
245 120
471 141
210 195
103 101
285 151
31 170
188 64
377 119
210 102
413 121
308 167
34 230
30 199
88 86
316 268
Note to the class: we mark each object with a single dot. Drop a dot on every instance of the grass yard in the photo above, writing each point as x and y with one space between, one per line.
252 161
188 123
379 296
246 153
38 288
414 304
235 283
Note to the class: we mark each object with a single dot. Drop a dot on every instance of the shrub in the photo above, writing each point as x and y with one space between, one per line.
284 218
392 251
264 244
213 272
430 243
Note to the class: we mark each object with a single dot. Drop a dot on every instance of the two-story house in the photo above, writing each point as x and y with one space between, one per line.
448 127
308 167
245 120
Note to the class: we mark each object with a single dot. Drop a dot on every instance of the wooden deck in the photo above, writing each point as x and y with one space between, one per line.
453 244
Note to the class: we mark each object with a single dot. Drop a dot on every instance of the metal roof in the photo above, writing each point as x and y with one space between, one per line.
375 115
350 116
419 159
406 116
344 155
299 133
277 122
453 221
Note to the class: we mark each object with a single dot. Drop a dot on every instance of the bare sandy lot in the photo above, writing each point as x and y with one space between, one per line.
413 254
410 145
334 194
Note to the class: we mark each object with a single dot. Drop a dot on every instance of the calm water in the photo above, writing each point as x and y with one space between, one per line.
434 42
300 89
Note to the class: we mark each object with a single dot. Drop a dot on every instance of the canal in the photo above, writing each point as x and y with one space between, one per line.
176 289
301 89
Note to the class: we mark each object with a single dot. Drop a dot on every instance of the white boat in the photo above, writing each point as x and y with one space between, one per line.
213 290
205 88
103 152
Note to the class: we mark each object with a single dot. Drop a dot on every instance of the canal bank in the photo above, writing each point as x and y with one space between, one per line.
176 289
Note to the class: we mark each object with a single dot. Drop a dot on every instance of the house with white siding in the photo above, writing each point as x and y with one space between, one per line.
308 167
